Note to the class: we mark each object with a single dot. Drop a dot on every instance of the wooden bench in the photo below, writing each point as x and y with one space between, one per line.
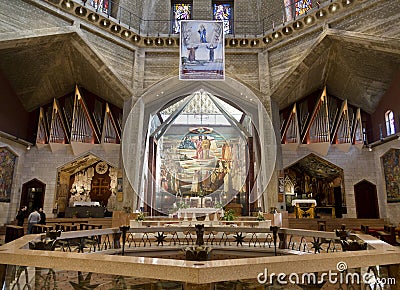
86 226
13 233
40 228
388 234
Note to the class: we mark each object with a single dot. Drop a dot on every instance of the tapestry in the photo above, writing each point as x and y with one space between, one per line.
391 168
7 164
201 50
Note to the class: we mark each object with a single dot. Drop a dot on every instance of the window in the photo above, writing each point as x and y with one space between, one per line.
100 5
223 11
180 11
389 118
295 8
302 6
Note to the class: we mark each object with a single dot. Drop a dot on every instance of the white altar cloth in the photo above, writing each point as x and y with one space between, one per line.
198 210
86 203
307 201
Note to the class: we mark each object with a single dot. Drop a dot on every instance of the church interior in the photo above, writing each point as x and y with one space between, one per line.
165 164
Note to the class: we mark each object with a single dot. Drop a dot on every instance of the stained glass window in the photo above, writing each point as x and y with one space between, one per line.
100 5
180 11
302 6
223 11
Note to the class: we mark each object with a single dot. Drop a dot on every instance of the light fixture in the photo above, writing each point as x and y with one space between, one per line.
287 30
159 41
267 40
169 42
233 42
81 11
333 8
148 41
297 25
136 38
369 149
28 147
67 4
320 14
115 28
126 33
276 35
105 23
309 19
93 17
254 42
244 42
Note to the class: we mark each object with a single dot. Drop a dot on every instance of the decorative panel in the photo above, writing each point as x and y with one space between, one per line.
7 165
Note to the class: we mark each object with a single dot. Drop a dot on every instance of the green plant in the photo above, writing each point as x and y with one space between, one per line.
229 215
181 205
260 216
140 217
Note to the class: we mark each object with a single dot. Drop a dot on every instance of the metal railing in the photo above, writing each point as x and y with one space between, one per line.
153 27
305 241
19 262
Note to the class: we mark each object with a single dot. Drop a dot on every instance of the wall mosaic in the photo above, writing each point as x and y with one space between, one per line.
391 167
7 164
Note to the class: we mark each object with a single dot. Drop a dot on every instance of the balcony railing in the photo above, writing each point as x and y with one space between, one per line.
154 27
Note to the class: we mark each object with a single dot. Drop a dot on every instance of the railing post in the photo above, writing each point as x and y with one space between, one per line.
275 230
123 229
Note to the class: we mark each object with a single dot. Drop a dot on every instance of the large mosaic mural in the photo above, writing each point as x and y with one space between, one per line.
7 164
391 168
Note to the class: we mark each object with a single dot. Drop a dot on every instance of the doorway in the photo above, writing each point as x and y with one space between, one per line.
366 200
32 195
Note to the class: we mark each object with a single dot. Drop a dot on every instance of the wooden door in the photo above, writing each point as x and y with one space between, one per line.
366 200
32 195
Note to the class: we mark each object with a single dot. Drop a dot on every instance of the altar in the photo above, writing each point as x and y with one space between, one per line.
310 204
83 211
198 211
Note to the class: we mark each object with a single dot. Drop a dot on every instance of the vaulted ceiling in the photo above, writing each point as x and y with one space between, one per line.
352 65
42 67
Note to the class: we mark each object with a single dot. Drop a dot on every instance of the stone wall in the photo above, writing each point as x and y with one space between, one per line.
42 164
357 165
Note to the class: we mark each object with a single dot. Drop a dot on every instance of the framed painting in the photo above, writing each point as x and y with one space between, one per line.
202 51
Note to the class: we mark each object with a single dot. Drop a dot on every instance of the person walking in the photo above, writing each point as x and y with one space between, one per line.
21 216
33 219
42 216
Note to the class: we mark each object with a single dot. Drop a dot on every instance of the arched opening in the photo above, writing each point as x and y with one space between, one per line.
315 178
86 187
32 195
199 147
366 200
